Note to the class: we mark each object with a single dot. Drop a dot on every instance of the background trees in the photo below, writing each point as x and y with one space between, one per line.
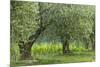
59 22
71 22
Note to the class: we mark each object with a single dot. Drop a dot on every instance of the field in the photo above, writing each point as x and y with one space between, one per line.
45 53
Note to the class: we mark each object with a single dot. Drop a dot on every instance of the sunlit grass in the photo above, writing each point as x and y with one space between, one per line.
46 48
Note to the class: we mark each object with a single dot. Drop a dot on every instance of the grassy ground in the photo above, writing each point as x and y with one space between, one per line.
59 59
52 54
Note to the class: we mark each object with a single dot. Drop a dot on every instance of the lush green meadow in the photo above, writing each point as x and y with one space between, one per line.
51 53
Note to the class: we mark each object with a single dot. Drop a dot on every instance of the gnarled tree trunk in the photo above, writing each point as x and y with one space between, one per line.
25 50
25 47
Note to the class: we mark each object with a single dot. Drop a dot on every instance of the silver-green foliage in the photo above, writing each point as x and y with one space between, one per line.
26 18
23 19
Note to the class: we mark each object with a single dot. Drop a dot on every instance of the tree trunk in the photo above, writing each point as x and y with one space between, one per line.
66 47
25 47
25 53
93 45
92 37
87 44
25 50
86 47
65 42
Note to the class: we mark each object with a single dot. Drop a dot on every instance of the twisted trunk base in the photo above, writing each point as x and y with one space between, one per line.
25 51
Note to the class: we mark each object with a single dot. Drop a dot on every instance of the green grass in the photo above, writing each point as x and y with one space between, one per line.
45 53
49 59
60 59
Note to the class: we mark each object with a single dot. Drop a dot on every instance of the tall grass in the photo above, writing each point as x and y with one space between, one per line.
45 48
55 48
